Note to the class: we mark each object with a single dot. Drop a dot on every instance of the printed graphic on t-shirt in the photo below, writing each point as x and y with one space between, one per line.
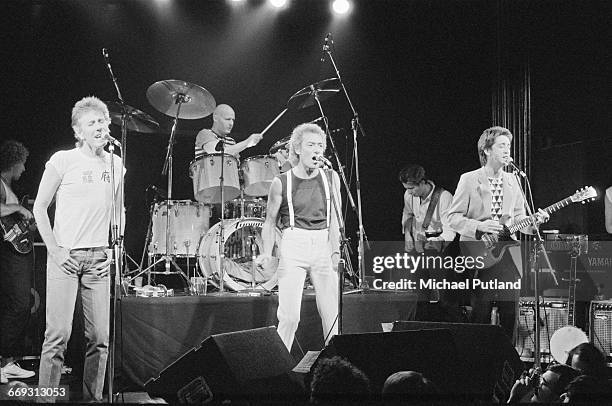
87 177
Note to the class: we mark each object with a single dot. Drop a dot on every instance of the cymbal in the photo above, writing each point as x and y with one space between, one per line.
282 143
306 97
196 102
137 120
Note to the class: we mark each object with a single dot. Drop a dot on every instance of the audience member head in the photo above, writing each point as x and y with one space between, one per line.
587 389
552 383
337 379
587 359
404 385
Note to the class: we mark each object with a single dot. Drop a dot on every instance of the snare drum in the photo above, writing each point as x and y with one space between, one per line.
258 173
206 171
188 221
242 238
250 207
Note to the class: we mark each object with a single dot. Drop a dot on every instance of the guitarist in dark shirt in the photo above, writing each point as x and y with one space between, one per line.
16 271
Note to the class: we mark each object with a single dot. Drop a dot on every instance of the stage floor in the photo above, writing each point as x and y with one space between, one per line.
154 332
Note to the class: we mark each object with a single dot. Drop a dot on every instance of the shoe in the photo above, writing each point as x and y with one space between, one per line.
12 370
3 378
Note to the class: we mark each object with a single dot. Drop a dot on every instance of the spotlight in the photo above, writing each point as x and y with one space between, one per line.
341 6
278 3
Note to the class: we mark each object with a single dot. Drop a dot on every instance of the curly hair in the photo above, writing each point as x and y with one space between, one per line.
89 103
11 153
297 135
487 139
336 378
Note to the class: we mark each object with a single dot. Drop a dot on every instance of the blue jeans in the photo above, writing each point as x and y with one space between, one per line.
62 291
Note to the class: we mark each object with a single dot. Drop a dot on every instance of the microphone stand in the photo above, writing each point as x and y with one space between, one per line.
346 248
355 125
343 245
116 229
536 249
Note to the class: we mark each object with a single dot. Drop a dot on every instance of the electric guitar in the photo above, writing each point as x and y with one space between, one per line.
17 231
491 247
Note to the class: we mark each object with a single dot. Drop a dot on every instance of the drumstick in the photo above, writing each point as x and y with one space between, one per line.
273 121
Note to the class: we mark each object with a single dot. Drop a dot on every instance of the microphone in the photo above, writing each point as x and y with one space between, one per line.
323 161
510 162
326 43
111 140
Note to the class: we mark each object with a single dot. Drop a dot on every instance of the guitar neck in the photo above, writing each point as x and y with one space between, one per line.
519 225
571 299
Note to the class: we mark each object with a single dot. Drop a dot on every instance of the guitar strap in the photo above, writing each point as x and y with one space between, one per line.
435 198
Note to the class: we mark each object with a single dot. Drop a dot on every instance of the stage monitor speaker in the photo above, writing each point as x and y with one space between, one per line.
249 364
600 332
378 355
488 363
553 316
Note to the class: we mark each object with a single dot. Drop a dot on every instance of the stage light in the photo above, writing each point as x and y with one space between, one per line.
278 3
341 6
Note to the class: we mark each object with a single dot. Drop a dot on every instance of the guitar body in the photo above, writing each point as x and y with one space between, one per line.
491 248
16 230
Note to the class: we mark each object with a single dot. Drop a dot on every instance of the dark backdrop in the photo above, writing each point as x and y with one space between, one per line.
420 74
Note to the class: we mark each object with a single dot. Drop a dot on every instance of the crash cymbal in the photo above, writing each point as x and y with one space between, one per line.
306 97
282 143
196 102
137 120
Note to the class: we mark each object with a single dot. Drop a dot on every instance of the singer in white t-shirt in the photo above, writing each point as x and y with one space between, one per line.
79 257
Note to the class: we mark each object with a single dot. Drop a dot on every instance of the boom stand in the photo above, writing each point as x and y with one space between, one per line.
355 125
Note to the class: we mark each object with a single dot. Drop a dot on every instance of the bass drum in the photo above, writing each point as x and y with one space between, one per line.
242 238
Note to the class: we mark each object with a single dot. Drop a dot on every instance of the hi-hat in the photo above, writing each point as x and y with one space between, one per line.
195 101
280 144
136 120
306 97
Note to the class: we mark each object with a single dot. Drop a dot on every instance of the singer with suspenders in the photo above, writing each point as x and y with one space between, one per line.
302 197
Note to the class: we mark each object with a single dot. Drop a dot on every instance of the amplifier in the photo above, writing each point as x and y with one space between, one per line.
600 332
553 315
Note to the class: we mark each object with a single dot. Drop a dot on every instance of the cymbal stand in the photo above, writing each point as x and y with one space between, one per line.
222 223
355 125
346 251
180 98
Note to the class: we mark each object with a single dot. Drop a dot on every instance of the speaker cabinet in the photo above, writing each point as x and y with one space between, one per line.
488 363
600 332
249 364
553 316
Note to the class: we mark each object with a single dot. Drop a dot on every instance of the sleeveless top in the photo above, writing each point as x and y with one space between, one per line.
308 205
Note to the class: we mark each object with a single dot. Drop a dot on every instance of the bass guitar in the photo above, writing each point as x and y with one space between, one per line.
18 231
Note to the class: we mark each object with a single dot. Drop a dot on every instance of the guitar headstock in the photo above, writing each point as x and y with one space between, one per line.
586 194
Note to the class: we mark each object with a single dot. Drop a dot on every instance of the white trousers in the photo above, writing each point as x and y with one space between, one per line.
304 251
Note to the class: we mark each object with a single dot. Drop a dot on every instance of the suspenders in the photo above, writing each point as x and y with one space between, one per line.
290 197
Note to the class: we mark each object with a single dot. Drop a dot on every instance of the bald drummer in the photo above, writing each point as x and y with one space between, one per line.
209 141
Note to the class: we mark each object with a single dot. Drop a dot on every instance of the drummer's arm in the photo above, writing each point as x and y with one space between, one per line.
268 231
237 148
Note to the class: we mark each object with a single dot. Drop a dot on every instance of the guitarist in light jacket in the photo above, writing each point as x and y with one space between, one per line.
16 269
484 198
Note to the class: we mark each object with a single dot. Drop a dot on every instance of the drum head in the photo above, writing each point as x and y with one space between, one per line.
242 241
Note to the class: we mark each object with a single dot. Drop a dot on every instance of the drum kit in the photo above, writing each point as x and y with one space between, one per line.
226 188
